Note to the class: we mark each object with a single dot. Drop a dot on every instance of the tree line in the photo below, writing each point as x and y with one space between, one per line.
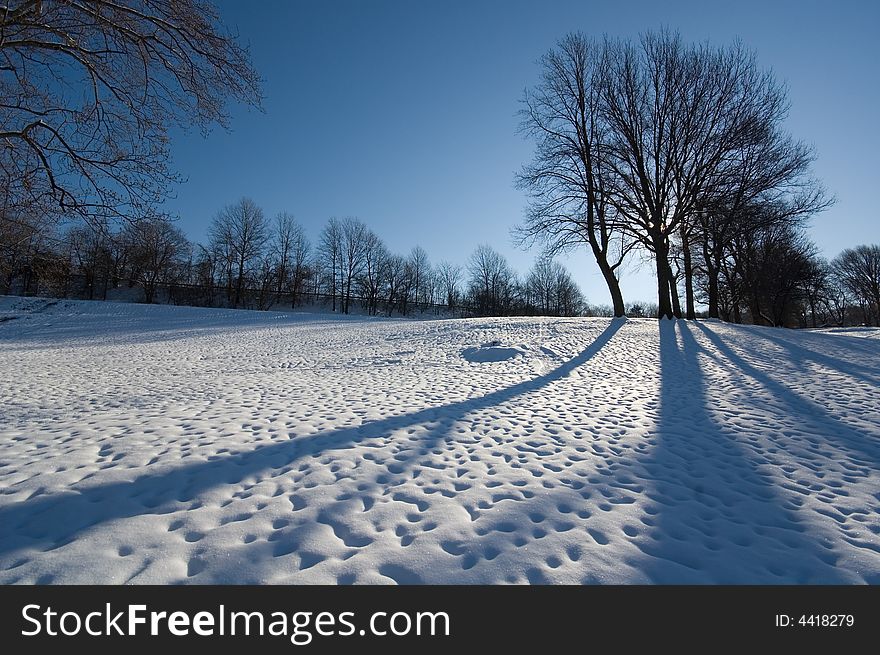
677 152
250 261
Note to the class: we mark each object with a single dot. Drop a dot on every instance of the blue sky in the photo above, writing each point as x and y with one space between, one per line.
404 113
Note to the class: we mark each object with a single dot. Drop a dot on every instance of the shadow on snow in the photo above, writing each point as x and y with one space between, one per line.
716 513
53 521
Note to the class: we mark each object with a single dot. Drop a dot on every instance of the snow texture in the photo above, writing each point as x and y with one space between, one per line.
147 444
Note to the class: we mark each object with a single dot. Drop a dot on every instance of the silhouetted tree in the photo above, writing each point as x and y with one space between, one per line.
772 265
420 269
354 244
490 281
374 271
158 249
569 178
91 89
90 250
858 270
679 119
331 254
450 280
396 283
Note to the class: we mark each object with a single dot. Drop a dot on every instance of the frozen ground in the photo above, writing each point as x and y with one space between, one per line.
146 444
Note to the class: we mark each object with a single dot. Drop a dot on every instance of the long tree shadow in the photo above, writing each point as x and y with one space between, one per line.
867 374
55 520
809 413
715 515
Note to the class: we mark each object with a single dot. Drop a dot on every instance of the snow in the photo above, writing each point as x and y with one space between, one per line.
148 444
857 331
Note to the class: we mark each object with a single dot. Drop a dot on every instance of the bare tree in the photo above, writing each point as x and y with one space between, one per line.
550 288
491 280
771 265
207 267
396 283
266 274
158 248
331 252
770 170
290 255
241 232
541 282
374 270
818 292
90 250
285 230
858 270
569 299
22 236
420 268
450 281
91 89
354 245
678 119
300 249
569 177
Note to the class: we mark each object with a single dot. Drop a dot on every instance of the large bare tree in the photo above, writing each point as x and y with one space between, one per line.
684 121
569 176
89 90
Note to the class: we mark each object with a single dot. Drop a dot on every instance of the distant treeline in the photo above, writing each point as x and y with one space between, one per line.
256 263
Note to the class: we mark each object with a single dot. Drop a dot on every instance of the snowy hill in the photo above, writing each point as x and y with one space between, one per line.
150 444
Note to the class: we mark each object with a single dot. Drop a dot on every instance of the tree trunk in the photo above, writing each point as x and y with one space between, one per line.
673 294
664 306
690 311
239 283
712 261
611 280
877 305
712 274
758 314
390 304
333 285
613 288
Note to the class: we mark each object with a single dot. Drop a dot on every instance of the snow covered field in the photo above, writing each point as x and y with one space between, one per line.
148 444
